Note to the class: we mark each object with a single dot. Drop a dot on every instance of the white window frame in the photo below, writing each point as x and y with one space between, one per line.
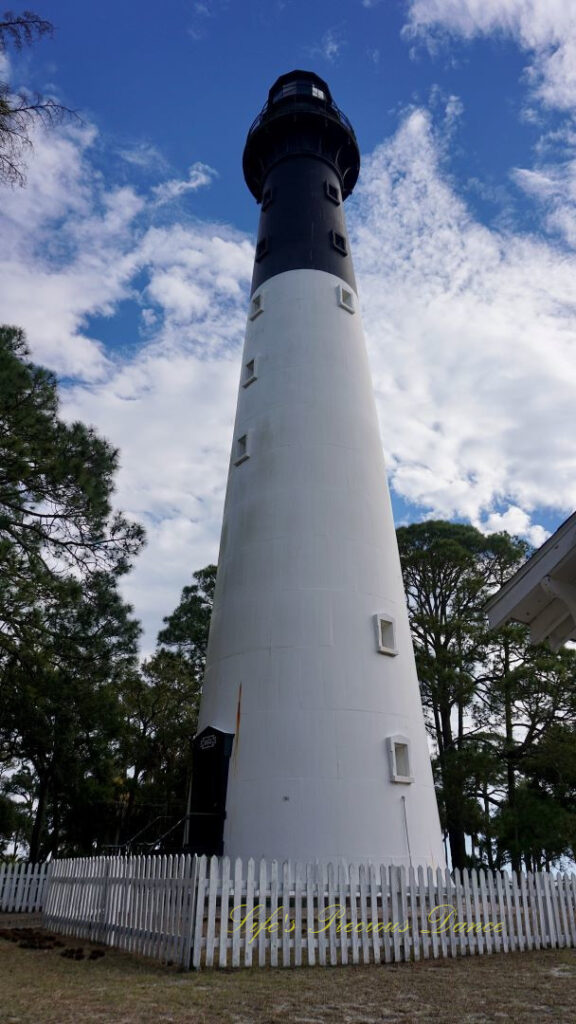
392 743
256 306
249 376
346 299
386 644
242 448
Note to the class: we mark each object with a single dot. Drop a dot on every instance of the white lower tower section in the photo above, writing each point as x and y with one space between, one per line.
330 756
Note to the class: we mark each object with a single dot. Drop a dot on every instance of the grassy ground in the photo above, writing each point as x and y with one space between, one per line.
40 986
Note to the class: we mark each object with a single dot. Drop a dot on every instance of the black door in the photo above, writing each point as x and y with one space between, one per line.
211 751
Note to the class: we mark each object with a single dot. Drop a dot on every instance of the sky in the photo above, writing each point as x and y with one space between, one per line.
128 255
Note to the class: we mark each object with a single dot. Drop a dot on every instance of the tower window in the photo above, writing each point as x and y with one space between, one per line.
339 243
267 198
249 374
241 450
345 299
399 758
261 249
256 306
385 634
332 192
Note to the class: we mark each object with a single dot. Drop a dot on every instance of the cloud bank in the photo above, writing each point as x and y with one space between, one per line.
545 29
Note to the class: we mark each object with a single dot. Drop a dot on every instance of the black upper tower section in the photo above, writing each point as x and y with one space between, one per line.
301 161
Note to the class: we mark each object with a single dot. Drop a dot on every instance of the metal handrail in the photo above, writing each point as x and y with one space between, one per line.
277 109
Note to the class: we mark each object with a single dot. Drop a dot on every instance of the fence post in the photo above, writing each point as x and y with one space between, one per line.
101 924
188 924
46 886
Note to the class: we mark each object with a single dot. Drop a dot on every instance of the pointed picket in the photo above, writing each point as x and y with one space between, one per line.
310 917
320 923
333 905
240 911
450 915
423 924
486 920
199 912
432 913
263 904
226 922
286 921
494 916
248 913
274 926
395 911
343 889
298 891
374 915
386 890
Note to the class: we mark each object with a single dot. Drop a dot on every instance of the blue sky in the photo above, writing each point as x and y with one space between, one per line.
128 256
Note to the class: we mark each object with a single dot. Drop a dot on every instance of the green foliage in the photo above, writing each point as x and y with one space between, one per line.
536 829
61 707
56 479
160 707
188 626
67 640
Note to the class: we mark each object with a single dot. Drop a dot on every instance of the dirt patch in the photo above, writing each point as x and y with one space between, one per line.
40 985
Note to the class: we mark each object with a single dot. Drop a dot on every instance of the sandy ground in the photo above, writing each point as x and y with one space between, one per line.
43 986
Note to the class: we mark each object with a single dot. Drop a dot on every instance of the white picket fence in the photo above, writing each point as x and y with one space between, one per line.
217 913
23 887
142 904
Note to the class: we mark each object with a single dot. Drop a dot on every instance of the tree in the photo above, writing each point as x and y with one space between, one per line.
19 113
62 714
160 708
66 637
161 704
449 571
56 483
188 626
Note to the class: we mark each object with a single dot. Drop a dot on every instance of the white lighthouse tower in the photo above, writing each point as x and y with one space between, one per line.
311 742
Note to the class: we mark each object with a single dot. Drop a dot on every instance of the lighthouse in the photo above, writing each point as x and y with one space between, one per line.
311 742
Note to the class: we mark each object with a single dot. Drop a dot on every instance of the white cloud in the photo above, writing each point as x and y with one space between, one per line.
76 249
517 522
144 155
545 29
472 339
199 175
553 186
330 46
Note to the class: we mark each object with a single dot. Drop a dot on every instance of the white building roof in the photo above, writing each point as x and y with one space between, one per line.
542 593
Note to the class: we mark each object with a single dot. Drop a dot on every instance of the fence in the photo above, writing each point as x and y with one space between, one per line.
142 904
23 887
217 913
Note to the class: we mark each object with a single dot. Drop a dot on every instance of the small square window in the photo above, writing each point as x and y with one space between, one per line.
332 192
256 306
385 634
346 299
241 450
399 757
339 243
267 198
261 249
249 375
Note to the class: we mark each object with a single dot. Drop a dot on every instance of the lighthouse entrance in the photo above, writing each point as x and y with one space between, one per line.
211 751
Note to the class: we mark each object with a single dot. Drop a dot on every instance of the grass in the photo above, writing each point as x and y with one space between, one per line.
40 986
